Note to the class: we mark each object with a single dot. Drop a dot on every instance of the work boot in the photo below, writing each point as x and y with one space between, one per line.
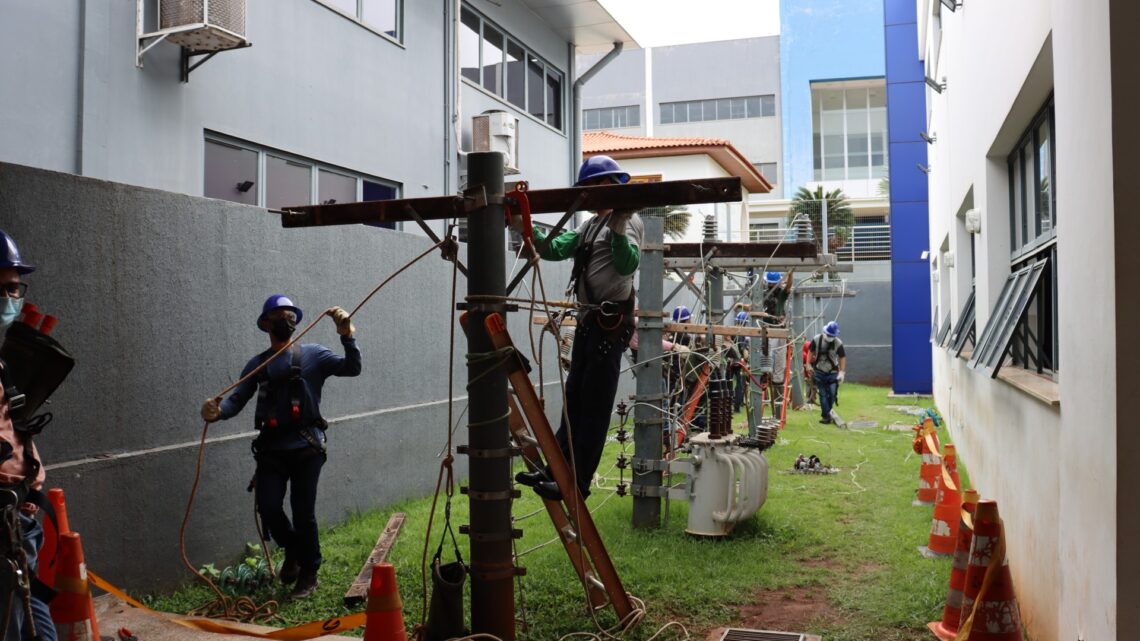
290 568
548 490
530 479
306 584
825 421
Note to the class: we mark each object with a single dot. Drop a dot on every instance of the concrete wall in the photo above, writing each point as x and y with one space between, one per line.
865 330
157 294
1060 474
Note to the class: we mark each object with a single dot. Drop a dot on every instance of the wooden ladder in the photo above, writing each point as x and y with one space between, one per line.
585 548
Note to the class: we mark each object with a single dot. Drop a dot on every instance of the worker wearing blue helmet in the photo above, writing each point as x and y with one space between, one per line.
828 360
21 474
290 444
606 255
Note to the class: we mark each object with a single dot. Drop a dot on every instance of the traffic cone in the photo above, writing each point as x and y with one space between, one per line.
947 628
47 559
944 525
989 607
72 609
384 619
931 465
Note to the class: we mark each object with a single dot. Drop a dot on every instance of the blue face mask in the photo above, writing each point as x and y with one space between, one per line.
9 310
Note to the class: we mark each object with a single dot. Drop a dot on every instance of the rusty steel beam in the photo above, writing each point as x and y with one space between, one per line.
628 196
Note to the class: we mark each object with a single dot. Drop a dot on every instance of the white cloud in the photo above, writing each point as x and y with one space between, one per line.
656 23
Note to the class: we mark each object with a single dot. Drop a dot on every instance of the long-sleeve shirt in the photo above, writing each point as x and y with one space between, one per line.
317 364
613 259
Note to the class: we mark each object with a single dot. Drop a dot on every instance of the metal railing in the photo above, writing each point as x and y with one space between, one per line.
867 242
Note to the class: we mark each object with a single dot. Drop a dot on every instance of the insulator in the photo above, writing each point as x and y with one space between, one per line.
710 229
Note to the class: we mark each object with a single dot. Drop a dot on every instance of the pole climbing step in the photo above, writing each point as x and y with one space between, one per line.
575 506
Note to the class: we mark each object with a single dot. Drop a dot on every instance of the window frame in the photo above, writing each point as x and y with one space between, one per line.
397 39
965 320
530 55
315 167
1020 218
944 332
626 110
731 103
1013 302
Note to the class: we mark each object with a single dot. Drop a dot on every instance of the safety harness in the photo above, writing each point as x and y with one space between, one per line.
617 310
265 417
828 348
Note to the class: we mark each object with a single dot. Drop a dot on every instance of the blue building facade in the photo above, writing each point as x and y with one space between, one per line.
910 273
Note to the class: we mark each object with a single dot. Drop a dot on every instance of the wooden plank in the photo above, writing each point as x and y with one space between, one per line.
688 328
628 196
358 591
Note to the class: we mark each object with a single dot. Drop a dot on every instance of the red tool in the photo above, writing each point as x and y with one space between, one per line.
518 204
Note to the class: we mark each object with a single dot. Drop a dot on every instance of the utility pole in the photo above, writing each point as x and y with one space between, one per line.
488 434
647 410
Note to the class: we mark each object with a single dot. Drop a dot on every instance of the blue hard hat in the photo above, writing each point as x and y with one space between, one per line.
681 314
742 317
277 301
773 277
10 256
831 329
598 166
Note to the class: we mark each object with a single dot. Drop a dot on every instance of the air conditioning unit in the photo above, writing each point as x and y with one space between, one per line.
948 259
203 25
496 130
974 221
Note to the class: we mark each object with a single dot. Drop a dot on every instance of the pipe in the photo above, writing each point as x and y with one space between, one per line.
576 129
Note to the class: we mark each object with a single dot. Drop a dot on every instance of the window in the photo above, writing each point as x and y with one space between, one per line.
767 170
1032 187
849 130
244 173
764 232
1007 317
382 16
964 331
490 58
611 117
720 109
944 333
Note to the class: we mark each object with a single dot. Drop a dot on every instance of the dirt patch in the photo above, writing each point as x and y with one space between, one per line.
788 610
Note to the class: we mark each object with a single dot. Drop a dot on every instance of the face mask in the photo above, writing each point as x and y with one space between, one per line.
9 310
283 328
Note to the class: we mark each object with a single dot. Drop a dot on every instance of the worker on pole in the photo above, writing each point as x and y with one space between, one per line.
21 477
606 255
290 444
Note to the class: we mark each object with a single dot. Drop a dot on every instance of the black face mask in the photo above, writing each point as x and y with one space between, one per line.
283 328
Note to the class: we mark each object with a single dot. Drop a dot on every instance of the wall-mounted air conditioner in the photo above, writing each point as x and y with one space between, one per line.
973 221
203 25
497 131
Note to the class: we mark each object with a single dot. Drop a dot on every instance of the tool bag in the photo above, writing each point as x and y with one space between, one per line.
445 612
37 364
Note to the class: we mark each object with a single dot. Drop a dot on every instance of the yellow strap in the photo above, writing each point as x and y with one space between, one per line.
384 603
70 584
968 519
947 482
310 630
991 574
929 436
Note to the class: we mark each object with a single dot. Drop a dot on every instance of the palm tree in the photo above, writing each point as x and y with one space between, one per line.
839 215
676 219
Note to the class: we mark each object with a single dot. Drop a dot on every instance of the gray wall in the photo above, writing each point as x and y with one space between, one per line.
157 294
315 84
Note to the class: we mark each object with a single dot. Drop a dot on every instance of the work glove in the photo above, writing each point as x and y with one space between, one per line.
681 349
343 321
619 219
211 410
517 224
841 375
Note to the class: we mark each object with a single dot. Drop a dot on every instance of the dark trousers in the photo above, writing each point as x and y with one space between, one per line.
275 471
739 386
32 540
595 365
828 387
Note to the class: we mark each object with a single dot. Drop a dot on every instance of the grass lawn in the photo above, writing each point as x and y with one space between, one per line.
830 555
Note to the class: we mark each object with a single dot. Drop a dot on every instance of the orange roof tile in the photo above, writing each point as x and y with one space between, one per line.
620 146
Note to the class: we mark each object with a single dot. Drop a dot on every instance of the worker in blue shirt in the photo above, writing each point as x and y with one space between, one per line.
290 445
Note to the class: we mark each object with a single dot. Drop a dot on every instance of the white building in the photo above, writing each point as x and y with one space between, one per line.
1032 245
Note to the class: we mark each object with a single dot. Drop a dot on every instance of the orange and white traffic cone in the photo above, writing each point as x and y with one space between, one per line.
947 628
989 606
72 609
944 525
48 561
931 465
384 619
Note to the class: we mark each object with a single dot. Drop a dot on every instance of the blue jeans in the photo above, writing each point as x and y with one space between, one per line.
17 631
276 469
828 386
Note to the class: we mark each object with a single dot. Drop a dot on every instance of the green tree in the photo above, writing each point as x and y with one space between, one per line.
840 218
676 219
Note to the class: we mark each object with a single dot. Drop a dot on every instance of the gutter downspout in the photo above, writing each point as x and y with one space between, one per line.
576 132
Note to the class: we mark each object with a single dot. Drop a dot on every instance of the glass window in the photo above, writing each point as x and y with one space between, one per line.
344 6
1044 179
553 98
534 88
381 15
752 106
287 183
834 153
767 106
1026 222
469 45
379 191
666 113
492 59
333 187
858 157
592 119
708 109
739 108
723 108
231 173
516 74
767 170
605 118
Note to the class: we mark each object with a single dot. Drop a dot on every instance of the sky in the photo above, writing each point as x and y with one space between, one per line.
657 23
